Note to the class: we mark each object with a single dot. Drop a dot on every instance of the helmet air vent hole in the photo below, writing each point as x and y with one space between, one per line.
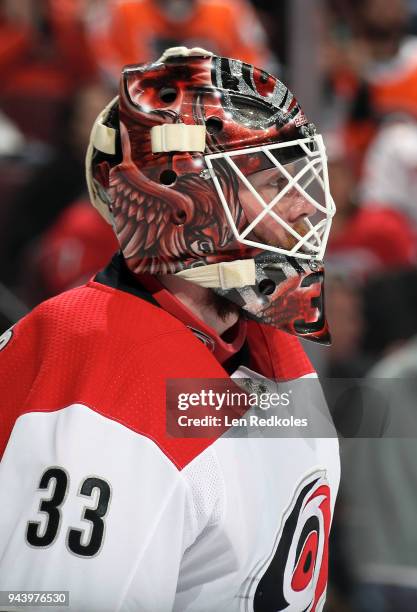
267 286
168 177
168 94
214 125
179 217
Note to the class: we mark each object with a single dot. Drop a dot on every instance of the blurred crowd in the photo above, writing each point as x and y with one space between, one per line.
59 66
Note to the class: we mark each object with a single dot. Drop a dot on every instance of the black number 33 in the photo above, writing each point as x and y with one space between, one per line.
42 537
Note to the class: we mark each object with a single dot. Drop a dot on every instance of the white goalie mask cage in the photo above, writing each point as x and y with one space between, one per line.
285 195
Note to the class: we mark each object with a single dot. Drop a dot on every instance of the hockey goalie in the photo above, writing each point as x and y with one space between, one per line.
216 186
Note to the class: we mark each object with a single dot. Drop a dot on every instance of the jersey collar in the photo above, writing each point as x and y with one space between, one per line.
149 288
222 350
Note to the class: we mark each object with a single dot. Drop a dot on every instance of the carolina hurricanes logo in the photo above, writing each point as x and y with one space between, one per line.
294 577
234 77
204 338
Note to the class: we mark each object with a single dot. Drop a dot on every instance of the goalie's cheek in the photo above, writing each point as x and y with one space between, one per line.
292 208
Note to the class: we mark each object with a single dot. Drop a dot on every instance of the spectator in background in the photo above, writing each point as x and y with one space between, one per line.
390 168
368 41
390 67
131 31
365 241
365 238
53 185
44 59
371 61
68 254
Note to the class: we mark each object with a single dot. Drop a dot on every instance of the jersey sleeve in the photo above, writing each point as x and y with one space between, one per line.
97 499
92 508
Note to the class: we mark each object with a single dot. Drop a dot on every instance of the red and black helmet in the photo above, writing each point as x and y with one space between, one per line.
171 161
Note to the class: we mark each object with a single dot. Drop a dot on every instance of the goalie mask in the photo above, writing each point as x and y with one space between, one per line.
207 168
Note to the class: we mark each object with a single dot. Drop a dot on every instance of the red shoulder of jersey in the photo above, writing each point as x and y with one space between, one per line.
108 350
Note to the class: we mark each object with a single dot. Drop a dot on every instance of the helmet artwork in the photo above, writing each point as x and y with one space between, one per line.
207 168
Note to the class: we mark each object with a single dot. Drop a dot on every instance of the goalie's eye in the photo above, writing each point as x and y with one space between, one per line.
277 182
267 180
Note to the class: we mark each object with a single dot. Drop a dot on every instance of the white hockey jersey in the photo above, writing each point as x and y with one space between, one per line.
98 500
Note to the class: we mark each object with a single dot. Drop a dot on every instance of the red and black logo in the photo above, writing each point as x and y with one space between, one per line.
294 577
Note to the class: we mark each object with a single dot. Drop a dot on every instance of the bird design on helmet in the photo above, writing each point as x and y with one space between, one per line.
161 168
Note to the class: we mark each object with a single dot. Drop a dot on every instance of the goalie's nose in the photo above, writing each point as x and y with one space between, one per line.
299 208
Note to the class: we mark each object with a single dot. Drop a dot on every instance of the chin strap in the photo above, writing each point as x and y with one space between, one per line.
224 275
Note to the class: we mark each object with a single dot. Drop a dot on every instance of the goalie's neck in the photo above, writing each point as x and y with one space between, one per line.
197 310
216 312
